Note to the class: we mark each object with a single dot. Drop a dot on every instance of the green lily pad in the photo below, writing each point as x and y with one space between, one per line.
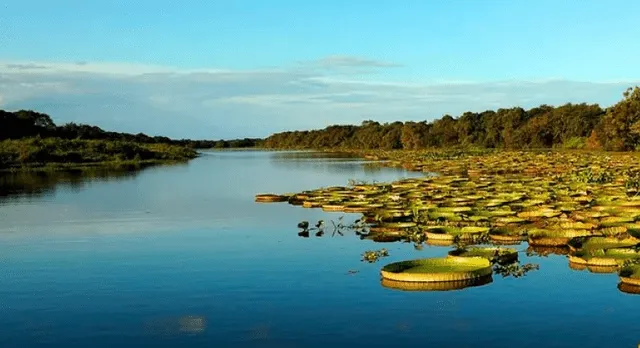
497 254
630 275
601 243
438 269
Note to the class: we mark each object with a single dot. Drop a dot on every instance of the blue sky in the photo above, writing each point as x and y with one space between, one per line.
221 69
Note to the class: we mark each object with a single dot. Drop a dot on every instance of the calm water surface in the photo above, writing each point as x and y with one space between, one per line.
182 256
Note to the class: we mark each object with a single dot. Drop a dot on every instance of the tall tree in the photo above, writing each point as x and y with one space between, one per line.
621 124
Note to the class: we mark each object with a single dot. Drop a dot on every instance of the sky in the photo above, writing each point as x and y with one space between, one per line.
239 68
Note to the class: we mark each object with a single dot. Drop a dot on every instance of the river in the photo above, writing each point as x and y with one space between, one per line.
182 256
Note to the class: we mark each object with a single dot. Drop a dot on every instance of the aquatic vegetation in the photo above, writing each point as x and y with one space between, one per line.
581 205
630 274
372 256
606 253
613 257
437 269
595 243
269 198
515 269
593 176
493 254
555 237
507 236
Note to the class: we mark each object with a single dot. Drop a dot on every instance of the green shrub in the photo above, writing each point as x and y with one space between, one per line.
575 143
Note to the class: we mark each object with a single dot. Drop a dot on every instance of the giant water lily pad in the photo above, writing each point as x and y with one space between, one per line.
494 254
508 235
438 269
554 237
630 275
552 197
453 233
613 257
270 198
595 243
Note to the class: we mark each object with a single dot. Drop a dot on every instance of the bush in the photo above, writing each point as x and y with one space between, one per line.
575 143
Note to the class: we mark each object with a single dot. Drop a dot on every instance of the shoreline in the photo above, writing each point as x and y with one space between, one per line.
55 166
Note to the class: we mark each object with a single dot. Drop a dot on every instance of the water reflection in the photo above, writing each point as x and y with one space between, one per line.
628 288
546 251
41 183
291 156
201 264
346 166
593 268
329 162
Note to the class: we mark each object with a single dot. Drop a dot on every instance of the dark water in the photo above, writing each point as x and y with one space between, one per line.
181 256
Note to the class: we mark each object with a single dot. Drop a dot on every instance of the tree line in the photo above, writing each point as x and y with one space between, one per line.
575 126
27 123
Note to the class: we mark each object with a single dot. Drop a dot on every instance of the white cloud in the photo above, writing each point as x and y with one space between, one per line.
216 103
351 61
123 69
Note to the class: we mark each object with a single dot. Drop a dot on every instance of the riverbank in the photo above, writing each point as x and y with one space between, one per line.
63 154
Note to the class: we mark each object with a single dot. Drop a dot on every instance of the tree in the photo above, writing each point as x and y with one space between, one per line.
621 124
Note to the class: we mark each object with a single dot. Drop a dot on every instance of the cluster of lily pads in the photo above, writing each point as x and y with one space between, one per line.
581 204
372 256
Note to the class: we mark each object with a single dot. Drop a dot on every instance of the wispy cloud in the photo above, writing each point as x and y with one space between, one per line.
344 65
351 61
28 66
217 103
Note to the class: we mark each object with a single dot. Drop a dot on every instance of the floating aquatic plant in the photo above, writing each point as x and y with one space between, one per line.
514 269
583 205
493 254
372 256
437 269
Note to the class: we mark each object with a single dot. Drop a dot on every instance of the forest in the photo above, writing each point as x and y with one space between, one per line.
31 139
569 126
27 123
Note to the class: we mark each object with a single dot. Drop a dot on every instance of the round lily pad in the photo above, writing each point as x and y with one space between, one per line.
438 269
505 235
495 254
596 243
333 207
451 233
555 237
271 198
630 275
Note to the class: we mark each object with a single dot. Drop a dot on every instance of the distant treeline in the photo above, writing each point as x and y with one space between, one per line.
27 123
616 128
